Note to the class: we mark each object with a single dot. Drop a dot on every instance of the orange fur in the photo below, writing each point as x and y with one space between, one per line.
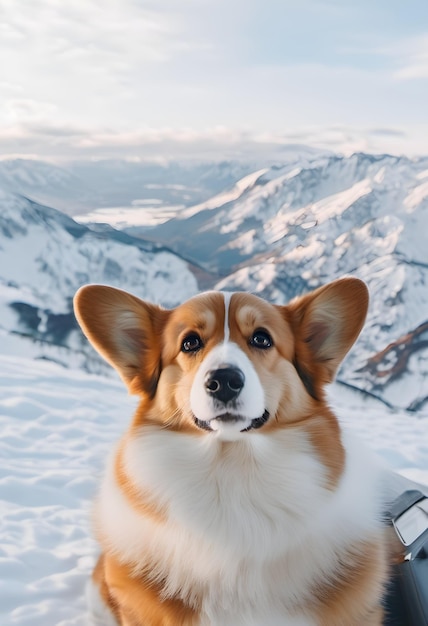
352 598
144 505
98 577
135 601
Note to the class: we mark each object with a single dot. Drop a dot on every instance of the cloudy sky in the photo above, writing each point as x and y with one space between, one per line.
141 78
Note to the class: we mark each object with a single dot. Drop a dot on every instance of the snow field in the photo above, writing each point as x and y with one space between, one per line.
57 427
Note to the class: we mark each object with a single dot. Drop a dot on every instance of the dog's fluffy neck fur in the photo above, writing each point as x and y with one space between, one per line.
249 534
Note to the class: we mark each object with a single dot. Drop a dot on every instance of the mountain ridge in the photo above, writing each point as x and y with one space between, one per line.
278 232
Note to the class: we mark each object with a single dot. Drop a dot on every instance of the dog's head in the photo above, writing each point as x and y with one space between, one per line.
225 364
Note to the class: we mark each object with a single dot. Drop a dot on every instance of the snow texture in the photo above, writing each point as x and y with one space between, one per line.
57 429
278 232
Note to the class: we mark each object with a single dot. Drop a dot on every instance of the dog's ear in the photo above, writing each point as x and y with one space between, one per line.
326 322
126 331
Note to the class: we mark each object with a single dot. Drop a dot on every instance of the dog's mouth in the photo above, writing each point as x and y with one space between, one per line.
230 418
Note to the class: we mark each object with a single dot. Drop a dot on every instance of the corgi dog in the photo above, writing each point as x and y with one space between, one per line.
235 498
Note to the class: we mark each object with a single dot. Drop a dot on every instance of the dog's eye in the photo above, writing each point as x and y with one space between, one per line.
191 343
261 339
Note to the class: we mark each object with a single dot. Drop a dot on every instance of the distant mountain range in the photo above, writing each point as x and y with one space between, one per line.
277 230
83 186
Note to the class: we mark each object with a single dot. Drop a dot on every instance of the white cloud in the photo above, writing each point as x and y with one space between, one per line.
23 109
86 43
101 62
412 58
126 77
62 143
90 28
407 57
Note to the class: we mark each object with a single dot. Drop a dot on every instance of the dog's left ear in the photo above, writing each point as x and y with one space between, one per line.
126 331
326 322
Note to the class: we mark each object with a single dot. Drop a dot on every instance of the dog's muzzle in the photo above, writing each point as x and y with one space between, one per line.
223 385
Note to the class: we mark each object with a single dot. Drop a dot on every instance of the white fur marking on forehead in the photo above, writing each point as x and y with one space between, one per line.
227 298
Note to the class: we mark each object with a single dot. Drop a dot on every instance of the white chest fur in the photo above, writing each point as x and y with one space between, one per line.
250 525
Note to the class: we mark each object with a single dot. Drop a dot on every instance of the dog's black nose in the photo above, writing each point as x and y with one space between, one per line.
224 384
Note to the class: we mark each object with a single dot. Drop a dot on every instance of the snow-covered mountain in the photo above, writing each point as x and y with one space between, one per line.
278 232
289 205
45 257
297 227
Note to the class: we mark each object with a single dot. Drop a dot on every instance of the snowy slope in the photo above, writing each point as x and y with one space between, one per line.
45 257
57 428
290 206
297 228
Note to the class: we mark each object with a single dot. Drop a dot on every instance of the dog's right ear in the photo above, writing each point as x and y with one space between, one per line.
126 331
